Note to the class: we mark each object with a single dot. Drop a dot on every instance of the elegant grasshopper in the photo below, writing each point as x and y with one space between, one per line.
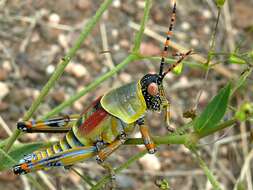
105 124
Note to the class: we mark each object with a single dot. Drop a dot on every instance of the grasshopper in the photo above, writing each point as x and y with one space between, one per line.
105 125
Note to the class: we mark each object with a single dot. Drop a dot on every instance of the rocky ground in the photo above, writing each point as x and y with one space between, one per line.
34 35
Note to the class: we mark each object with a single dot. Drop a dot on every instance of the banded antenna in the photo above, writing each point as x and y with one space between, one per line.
167 42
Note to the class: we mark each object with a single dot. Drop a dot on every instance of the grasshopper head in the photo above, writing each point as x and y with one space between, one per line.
151 87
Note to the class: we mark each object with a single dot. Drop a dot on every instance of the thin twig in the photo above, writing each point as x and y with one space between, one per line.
245 168
84 177
211 49
218 68
108 57
60 69
5 126
106 178
202 164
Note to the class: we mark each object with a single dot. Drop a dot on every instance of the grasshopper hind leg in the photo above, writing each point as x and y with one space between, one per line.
32 162
54 125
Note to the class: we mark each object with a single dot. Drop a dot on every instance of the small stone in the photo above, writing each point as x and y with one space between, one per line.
125 181
184 81
76 69
124 43
78 106
83 4
89 57
115 33
150 162
3 74
4 90
150 49
206 14
125 77
3 106
141 4
7 66
59 96
194 42
185 26
116 47
206 30
54 18
204 96
63 41
50 69
116 3
35 93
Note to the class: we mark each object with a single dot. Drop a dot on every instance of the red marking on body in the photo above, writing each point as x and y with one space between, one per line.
94 103
93 121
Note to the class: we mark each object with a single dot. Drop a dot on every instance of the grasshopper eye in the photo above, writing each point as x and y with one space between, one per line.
153 89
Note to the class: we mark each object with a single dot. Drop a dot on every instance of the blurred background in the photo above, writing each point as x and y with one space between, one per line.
35 35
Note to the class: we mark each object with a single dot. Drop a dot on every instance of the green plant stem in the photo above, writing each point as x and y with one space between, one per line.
125 165
212 44
85 178
139 35
130 58
208 173
93 85
183 139
60 69
171 61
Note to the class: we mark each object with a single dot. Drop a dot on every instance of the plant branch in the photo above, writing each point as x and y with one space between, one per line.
208 173
130 58
125 165
139 35
183 139
60 69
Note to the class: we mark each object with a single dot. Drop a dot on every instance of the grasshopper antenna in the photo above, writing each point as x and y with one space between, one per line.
169 34
177 62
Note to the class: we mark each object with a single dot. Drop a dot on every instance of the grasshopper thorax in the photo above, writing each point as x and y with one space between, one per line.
151 84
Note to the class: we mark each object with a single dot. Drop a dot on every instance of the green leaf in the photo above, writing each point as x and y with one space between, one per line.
214 111
178 69
17 153
220 3
233 59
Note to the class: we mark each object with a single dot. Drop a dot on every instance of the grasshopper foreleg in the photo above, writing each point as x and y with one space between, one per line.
148 142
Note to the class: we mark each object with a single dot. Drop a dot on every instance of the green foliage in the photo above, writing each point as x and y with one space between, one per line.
213 112
220 3
163 184
244 111
178 69
17 152
233 59
205 124
241 186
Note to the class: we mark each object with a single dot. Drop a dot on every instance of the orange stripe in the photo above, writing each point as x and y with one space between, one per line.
167 43
150 146
169 33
